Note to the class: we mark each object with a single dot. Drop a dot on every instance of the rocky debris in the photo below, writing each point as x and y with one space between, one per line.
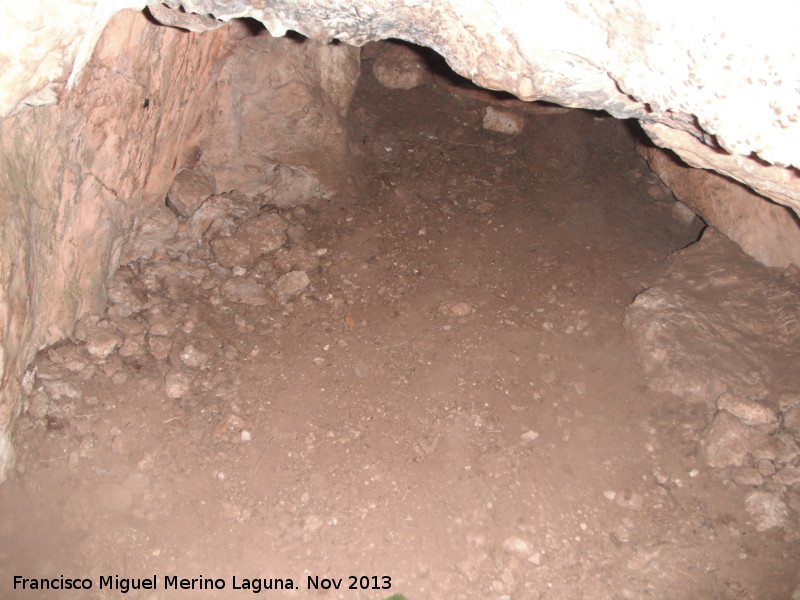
188 191
729 442
401 67
253 238
767 510
290 284
159 346
503 120
177 384
124 301
296 259
747 411
246 291
192 357
101 342
219 215
454 308
289 187
716 321
68 356
152 228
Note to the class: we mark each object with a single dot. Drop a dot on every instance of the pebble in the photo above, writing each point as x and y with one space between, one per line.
529 436
518 546
452 308
100 342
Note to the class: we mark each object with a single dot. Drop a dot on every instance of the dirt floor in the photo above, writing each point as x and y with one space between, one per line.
451 409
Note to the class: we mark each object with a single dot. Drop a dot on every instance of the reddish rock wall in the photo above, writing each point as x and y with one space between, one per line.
79 177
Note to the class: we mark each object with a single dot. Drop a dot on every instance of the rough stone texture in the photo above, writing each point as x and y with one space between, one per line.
290 284
725 78
728 441
503 121
768 232
74 175
401 67
255 237
188 191
718 322
245 291
747 411
276 128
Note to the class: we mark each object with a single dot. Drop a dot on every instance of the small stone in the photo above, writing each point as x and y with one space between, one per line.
788 476
132 347
728 441
192 357
159 346
610 494
253 238
747 476
188 191
219 214
767 510
791 419
291 284
517 546
766 468
503 120
177 384
452 308
100 342
747 411
246 436
529 436
245 291
68 356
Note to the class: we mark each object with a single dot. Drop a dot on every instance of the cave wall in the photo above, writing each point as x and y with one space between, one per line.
82 178
716 83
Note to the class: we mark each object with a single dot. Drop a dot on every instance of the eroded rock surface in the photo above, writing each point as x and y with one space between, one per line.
718 322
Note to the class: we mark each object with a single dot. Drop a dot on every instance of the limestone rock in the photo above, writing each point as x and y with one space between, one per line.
767 510
747 411
290 285
188 191
707 326
100 342
219 215
246 291
296 259
401 67
177 384
766 231
503 120
159 346
255 237
728 441
192 357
